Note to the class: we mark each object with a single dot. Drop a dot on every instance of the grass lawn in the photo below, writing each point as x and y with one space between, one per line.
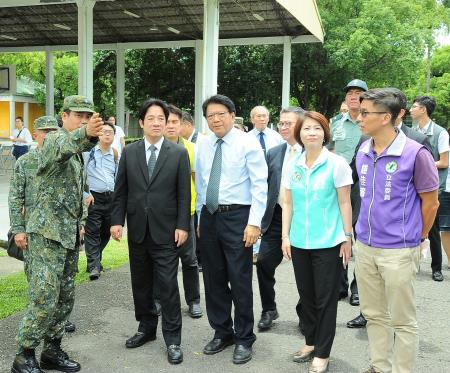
14 287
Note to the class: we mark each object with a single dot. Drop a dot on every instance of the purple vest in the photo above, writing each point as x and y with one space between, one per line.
390 215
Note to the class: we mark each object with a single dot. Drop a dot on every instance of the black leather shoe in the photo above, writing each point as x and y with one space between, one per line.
69 327
195 311
174 354
139 339
354 299
358 322
438 276
54 357
26 363
94 274
242 354
266 321
216 345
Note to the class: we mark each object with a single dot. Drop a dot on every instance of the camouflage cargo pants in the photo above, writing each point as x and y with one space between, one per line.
50 270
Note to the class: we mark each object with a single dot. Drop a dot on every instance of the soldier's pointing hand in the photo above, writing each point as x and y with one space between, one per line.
94 126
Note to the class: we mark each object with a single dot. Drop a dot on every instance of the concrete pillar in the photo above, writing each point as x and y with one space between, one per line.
85 47
49 84
12 116
210 47
120 87
286 71
199 120
26 115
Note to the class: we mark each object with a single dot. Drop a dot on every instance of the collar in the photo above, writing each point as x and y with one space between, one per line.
192 135
296 146
158 144
346 116
322 158
265 131
97 147
395 149
228 138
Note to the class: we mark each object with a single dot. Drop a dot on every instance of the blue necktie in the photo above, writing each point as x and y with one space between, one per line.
151 161
212 192
261 141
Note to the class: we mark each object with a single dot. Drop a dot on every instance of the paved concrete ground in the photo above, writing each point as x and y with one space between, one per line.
104 316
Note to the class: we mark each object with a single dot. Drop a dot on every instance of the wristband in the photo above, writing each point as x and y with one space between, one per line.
350 235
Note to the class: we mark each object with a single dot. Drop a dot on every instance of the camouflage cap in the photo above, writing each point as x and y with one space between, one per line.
45 123
78 103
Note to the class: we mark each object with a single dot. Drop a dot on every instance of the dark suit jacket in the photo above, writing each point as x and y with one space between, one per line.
275 158
162 202
356 200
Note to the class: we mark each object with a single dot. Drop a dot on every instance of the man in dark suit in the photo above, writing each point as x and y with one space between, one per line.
360 321
153 191
270 254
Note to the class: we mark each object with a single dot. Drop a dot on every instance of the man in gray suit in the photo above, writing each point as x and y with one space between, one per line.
359 321
270 254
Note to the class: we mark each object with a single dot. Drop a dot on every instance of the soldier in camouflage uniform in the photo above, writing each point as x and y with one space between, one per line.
52 238
23 189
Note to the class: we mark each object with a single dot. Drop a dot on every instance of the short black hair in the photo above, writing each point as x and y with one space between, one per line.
153 102
176 111
111 125
187 117
401 96
219 99
21 119
385 98
429 103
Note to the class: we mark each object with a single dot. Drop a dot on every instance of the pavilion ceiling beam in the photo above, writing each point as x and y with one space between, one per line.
28 23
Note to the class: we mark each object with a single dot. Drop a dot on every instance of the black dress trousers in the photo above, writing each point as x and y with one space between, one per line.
148 259
97 229
227 274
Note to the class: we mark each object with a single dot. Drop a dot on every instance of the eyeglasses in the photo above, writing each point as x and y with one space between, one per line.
220 115
288 125
414 106
366 113
107 132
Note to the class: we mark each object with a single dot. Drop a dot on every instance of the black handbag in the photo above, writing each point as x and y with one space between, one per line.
13 250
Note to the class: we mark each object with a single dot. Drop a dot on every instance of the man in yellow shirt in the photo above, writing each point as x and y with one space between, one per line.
188 258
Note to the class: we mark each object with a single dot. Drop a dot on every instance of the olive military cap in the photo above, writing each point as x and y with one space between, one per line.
78 103
45 123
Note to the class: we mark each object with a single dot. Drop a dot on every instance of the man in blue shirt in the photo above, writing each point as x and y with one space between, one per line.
101 166
231 186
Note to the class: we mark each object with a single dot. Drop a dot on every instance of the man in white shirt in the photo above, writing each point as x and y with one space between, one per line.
119 136
231 186
267 137
421 111
21 138
270 254
188 130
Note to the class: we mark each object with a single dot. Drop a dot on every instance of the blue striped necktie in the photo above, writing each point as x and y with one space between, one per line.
212 192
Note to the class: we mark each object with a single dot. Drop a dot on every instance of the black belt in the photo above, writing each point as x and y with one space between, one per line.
226 208
104 194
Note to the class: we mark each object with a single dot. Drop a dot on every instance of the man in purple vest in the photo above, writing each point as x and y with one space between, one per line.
399 199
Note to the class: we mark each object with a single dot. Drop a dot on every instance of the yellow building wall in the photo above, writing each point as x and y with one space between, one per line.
34 111
4 119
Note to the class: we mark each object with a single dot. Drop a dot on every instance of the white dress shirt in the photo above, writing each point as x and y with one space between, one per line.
23 134
148 151
291 152
243 177
271 138
117 136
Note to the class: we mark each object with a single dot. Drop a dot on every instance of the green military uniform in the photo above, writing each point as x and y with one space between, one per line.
345 135
53 232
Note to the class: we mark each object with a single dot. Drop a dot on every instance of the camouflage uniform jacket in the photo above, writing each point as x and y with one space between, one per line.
60 183
23 190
